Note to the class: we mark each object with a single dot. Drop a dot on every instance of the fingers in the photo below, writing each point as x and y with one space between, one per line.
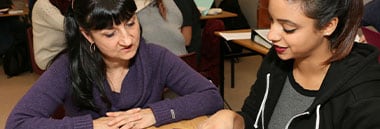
131 111
123 118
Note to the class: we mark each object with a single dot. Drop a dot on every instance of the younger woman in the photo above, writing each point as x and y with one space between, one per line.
314 76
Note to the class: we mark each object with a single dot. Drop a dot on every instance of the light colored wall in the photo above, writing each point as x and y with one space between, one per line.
249 10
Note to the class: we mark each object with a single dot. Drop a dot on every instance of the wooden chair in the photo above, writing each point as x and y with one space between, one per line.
35 68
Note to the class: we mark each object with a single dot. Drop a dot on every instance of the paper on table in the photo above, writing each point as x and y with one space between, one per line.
236 35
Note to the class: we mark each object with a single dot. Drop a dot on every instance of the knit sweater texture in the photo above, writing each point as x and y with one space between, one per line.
154 69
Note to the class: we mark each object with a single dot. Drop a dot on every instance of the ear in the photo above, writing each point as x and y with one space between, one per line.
86 35
330 26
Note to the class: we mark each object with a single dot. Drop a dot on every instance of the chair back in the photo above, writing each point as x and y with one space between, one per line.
209 65
35 68
372 37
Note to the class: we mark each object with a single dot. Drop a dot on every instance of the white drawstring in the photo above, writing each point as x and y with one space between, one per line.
318 117
262 106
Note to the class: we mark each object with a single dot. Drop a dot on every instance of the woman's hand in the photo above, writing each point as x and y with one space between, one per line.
223 119
102 123
132 119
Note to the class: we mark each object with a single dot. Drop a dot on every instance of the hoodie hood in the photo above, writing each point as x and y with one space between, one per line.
359 67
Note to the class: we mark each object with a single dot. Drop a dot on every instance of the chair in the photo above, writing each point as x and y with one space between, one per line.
35 68
210 62
372 37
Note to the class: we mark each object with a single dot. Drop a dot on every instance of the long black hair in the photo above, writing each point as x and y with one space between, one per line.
87 68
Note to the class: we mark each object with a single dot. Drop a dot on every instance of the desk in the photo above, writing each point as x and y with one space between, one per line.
223 14
246 43
24 13
184 124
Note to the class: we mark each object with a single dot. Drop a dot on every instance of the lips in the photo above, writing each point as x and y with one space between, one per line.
127 48
280 49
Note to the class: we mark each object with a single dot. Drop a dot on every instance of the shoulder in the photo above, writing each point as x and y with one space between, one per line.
153 51
61 61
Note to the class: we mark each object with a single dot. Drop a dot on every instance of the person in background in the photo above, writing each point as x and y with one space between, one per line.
371 17
315 75
171 24
48 34
109 77
191 26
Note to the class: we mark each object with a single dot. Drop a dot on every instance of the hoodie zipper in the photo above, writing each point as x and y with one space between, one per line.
262 106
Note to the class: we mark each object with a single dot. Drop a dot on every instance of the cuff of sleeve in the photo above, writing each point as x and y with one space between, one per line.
163 113
83 122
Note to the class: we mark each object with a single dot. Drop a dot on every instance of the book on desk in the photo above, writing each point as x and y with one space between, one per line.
257 35
260 36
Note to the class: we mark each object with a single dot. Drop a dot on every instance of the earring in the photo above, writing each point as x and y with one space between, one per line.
92 48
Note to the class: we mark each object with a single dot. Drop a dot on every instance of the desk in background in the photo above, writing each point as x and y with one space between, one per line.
184 124
11 13
223 14
247 44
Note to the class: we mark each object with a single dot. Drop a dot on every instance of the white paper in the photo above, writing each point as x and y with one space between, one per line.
263 33
236 35
262 41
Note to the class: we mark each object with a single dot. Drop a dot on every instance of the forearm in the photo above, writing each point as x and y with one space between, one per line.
187 34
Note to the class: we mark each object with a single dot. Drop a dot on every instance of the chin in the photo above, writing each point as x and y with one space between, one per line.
284 57
129 56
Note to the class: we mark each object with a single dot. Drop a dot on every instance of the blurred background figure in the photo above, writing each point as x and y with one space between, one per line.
48 35
371 16
173 24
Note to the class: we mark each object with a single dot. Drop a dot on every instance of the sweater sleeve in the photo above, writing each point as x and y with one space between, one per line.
197 95
39 103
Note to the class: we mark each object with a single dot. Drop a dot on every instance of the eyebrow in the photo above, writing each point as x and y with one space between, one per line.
282 21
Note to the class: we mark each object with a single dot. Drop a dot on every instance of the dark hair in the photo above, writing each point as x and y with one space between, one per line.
349 13
87 68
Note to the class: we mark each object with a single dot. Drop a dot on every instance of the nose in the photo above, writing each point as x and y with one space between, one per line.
274 33
126 37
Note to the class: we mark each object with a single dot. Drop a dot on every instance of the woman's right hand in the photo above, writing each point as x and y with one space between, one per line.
223 119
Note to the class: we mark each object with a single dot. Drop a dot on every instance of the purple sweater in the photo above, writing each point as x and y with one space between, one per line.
153 69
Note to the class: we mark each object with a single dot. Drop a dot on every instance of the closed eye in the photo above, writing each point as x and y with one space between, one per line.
109 35
289 31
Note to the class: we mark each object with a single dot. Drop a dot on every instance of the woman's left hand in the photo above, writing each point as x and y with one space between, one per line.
133 119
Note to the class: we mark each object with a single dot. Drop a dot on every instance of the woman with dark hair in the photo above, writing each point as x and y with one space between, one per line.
315 75
111 78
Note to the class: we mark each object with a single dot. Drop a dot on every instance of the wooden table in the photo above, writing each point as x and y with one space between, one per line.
246 43
223 14
184 124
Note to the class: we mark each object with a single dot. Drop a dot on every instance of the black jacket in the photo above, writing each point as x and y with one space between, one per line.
349 97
